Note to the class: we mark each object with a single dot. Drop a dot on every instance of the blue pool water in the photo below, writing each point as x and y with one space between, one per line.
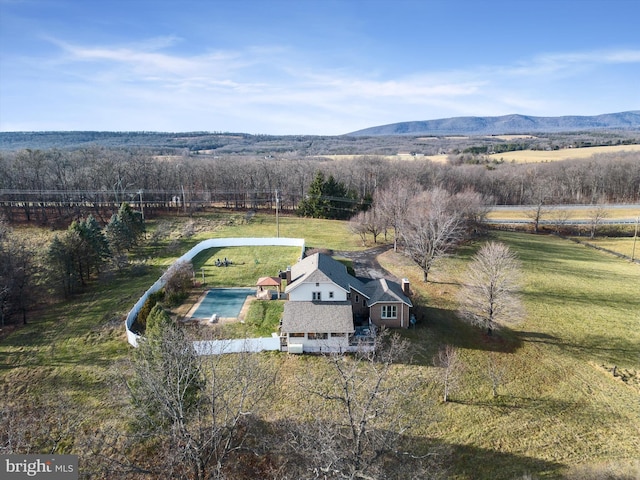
226 302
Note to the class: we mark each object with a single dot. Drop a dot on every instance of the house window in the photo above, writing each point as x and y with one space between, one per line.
333 335
317 336
317 284
357 298
330 294
296 335
389 311
316 295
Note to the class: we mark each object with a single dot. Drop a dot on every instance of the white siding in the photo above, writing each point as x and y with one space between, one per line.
304 292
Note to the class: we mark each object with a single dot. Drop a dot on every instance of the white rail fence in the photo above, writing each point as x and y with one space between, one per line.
133 337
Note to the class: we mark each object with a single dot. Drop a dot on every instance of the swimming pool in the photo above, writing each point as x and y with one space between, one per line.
225 302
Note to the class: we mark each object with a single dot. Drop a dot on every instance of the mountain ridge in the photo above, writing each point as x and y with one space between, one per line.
507 124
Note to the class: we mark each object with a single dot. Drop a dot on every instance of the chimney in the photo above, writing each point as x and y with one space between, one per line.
406 287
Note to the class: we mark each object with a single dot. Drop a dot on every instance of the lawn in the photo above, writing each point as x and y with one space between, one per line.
246 264
624 245
559 406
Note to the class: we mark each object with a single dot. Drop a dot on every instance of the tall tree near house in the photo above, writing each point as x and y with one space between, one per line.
432 229
489 297
394 202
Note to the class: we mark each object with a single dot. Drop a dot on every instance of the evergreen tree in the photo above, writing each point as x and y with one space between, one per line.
327 199
125 229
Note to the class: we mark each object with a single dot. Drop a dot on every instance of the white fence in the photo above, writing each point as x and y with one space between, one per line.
250 345
132 337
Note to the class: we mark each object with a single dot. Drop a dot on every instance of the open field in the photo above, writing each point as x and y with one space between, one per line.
624 246
559 407
574 212
538 156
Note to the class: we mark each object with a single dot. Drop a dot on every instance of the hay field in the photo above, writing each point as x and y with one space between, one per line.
538 156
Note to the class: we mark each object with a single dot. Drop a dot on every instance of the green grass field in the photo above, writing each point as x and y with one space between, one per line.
559 410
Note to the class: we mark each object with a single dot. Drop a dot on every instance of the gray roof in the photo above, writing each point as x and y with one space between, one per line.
323 268
317 317
382 290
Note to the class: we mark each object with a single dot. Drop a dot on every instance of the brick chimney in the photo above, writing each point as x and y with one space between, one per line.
406 287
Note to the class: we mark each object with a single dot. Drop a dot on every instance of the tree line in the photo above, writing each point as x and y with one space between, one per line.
42 185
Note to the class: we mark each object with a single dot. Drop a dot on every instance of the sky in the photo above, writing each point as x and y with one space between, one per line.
318 67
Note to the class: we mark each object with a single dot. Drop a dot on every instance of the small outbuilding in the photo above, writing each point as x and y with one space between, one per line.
265 285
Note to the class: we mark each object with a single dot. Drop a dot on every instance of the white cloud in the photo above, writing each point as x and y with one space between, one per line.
270 90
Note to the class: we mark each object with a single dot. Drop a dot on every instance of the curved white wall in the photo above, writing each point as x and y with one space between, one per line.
133 337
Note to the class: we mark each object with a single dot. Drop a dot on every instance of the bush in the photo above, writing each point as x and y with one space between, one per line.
152 300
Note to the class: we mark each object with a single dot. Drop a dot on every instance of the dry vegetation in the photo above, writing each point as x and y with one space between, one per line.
540 156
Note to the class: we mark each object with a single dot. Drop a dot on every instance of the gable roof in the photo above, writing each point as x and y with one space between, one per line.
323 268
382 290
317 317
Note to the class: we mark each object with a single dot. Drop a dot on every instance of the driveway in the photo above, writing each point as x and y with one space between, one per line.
366 265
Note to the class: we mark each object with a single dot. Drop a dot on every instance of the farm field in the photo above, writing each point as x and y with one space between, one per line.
560 412
538 156
574 212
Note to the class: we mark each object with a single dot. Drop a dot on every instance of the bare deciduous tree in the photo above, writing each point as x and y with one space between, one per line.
198 410
394 202
358 226
450 369
596 216
490 296
432 229
370 221
366 416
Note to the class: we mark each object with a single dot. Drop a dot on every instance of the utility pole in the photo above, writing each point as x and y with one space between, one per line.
277 218
141 204
635 238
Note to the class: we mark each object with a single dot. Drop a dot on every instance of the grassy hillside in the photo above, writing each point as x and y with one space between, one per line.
560 411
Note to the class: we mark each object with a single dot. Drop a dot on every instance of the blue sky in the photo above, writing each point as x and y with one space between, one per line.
322 67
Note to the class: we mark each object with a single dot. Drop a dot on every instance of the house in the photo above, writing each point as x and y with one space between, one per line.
331 310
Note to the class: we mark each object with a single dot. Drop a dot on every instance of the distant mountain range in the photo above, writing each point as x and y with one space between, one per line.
507 124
